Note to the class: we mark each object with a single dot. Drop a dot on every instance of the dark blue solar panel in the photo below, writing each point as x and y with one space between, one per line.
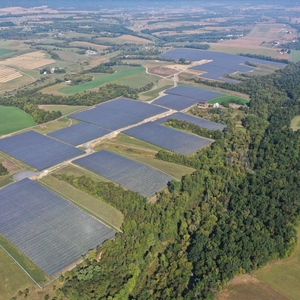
79 133
132 175
119 113
195 93
37 150
221 64
50 231
176 102
168 138
192 119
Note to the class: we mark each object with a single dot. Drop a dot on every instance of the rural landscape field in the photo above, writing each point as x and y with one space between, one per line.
149 151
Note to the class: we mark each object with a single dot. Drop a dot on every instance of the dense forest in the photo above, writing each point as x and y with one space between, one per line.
234 214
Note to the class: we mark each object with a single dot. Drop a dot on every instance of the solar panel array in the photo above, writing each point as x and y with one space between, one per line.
119 113
79 133
176 102
50 231
168 138
195 93
192 119
130 174
221 64
37 150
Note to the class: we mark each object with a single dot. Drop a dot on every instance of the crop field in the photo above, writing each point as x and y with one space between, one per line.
130 174
13 119
98 208
124 39
8 74
168 138
12 277
5 51
29 61
111 78
45 226
295 55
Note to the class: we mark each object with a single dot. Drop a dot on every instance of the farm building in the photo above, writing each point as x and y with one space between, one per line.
202 104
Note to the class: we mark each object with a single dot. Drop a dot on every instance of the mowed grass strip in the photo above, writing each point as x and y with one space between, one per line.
225 97
101 209
37 274
64 109
13 119
283 275
105 78
12 277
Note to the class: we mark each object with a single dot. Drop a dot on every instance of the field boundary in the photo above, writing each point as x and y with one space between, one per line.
21 267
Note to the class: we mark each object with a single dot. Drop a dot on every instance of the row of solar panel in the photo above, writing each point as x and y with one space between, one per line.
49 230
126 172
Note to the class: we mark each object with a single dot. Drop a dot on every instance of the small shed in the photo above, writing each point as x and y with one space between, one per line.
202 104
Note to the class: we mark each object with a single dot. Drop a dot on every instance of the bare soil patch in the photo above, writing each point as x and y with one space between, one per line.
162 71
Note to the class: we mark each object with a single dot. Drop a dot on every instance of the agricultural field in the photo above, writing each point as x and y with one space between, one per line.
8 74
295 55
64 109
5 51
28 61
125 39
13 119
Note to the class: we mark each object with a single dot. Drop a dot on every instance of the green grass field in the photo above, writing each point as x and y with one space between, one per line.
283 275
295 56
225 97
13 119
55 125
64 109
5 51
105 78
96 207
12 277
37 274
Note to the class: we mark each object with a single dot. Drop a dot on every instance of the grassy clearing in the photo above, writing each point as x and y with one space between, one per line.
64 109
100 209
283 275
150 95
295 56
13 119
225 97
55 125
105 78
295 123
245 287
12 277
37 274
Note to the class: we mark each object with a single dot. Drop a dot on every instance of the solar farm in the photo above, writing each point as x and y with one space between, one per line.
130 174
220 63
119 113
37 150
49 230
194 120
79 133
168 138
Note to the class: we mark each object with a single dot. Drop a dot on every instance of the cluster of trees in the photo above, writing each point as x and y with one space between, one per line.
265 57
234 214
3 170
78 79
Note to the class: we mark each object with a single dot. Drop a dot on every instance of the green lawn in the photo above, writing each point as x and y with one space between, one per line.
283 275
105 78
295 55
5 51
225 97
12 277
13 119
94 206
155 93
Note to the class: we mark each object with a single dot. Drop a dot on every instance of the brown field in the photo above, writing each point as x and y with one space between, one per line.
8 74
246 287
162 71
28 61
